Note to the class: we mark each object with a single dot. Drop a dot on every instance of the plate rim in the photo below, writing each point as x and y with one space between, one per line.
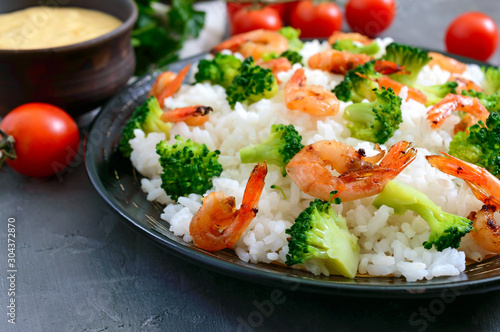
264 277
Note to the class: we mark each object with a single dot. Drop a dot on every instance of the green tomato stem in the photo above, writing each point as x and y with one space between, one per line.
6 147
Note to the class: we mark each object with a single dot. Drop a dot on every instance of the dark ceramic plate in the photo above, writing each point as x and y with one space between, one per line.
119 184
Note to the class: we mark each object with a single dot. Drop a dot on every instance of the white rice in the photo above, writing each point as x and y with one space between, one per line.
390 244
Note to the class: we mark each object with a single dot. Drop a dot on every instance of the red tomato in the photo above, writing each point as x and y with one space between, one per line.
46 139
288 8
370 17
248 19
316 21
234 7
473 35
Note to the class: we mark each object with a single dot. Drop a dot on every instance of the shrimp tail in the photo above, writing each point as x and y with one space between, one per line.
184 113
483 195
476 177
248 209
456 167
173 85
399 156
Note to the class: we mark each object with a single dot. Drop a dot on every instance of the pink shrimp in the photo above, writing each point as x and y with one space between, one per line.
338 62
339 35
446 63
312 99
191 115
485 187
217 224
276 65
464 84
359 176
168 83
255 43
452 102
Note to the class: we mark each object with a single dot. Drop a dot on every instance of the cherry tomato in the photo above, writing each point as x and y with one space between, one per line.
234 7
473 35
288 8
316 20
249 18
370 17
46 139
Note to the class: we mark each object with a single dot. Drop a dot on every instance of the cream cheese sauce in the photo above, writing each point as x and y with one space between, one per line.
47 27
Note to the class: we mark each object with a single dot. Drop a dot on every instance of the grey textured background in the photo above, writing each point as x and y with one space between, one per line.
80 268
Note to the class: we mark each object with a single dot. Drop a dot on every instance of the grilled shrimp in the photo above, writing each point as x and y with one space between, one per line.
168 83
254 43
485 187
339 35
338 62
312 99
191 115
360 176
217 224
471 105
276 65
446 63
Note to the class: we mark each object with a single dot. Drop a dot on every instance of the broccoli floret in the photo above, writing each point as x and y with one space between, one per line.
146 117
375 121
188 167
278 149
358 84
292 35
411 58
320 234
491 82
252 84
447 229
435 93
220 70
292 56
481 146
350 46
491 102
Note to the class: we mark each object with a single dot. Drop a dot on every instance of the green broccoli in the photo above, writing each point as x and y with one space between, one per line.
481 146
491 82
292 56
375 121
220 70
319 233
351 47
411 58
146 117
188 167
491 102
292 35
358 84
447 229
252 84
278 149
435 93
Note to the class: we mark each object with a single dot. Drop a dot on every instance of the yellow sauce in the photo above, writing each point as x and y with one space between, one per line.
46 27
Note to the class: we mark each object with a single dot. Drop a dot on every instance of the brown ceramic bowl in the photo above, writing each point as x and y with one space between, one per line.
78 77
